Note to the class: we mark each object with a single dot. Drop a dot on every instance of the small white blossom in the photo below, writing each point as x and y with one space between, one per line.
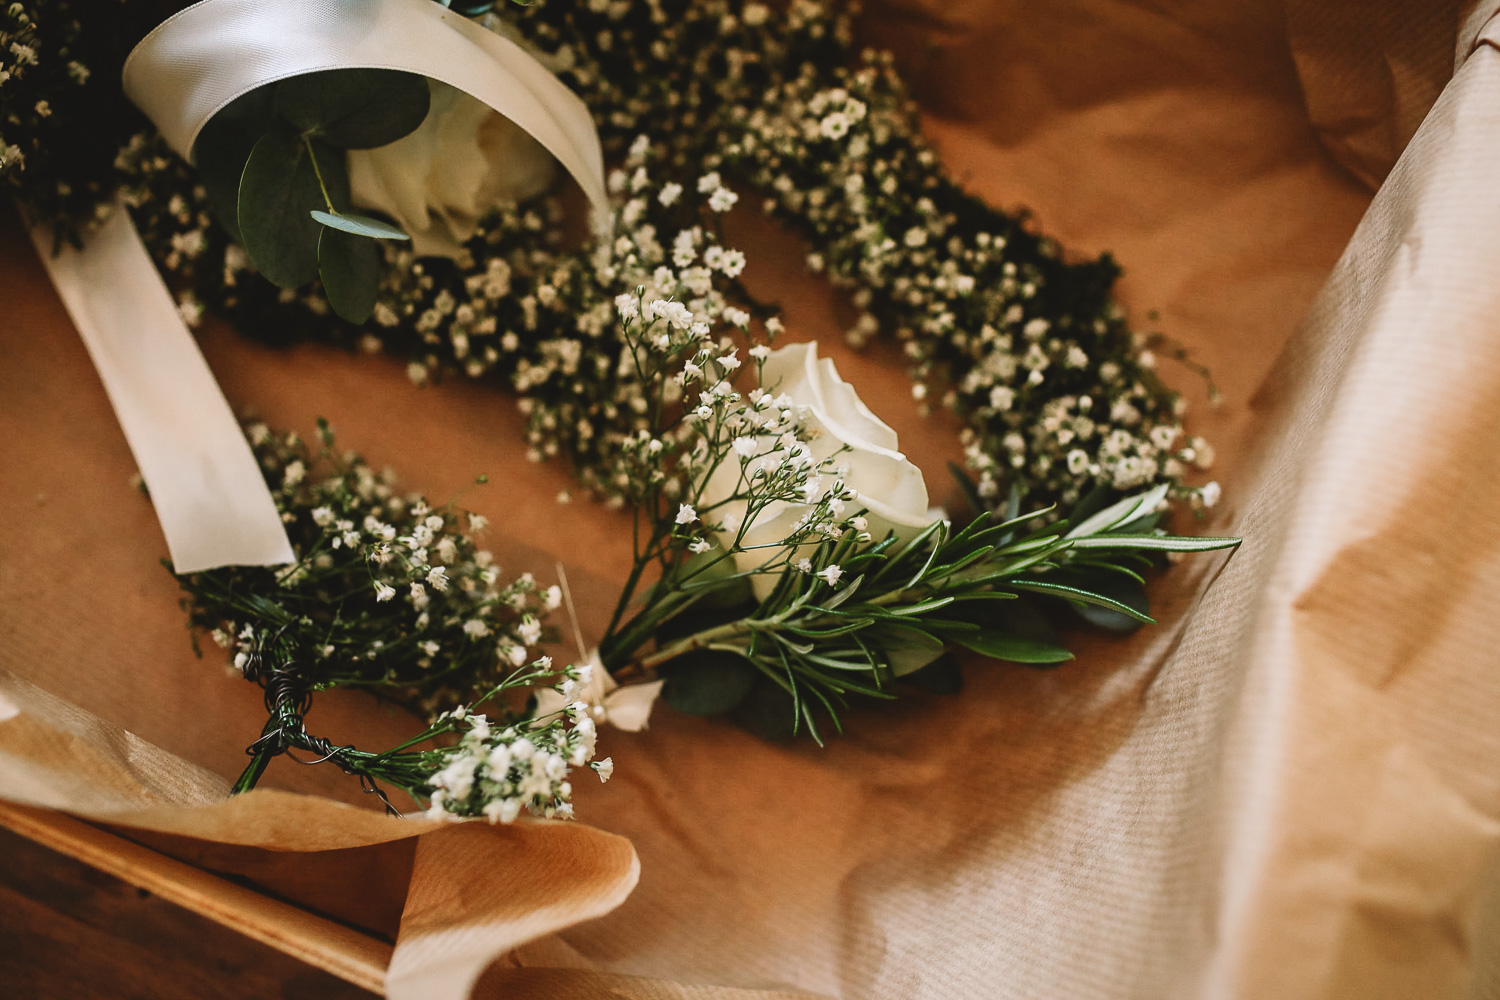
722 200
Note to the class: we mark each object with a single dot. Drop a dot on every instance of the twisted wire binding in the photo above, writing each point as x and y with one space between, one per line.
287 700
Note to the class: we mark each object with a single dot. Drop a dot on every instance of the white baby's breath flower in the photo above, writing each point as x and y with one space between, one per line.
384 592
722 200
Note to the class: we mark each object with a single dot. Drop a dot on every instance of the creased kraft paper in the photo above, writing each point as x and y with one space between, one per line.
1287 790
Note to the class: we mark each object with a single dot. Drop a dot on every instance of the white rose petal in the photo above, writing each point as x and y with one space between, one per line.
463 160
889 486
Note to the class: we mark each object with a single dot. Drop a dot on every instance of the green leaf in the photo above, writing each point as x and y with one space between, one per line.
827 633
908 650
359 225
223 147
1082 596
1015 650
922 607
1120 513
707 681
279 188
350 269
1118 587
1018 632
355 108
1161 543
1092 503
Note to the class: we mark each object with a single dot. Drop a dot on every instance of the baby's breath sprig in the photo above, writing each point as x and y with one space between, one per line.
390 595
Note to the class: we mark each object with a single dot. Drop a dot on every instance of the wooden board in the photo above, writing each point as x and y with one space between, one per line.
91 914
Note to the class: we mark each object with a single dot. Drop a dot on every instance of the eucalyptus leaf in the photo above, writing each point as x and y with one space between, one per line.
1014 649
279 188
907 649
223 147
355 108
350 268
707 681
359 225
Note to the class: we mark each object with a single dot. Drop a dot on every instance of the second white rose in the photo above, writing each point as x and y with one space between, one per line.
890 488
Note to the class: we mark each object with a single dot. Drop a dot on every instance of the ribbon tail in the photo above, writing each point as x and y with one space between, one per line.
212 502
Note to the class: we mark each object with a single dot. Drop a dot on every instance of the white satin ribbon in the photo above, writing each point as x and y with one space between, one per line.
202 58
210 498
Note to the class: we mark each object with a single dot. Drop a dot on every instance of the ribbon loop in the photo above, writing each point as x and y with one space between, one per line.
199 60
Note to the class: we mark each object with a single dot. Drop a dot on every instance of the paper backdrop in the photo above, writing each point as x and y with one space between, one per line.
1290 790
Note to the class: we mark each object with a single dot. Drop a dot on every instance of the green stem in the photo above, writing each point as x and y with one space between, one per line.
318 172
643 666
258 761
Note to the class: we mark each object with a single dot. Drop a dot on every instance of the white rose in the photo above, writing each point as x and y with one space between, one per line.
463 160
890 488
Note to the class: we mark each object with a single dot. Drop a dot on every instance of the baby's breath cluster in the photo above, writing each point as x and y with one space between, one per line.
496 772
1058 392
386 590
387 593
515 308
62 113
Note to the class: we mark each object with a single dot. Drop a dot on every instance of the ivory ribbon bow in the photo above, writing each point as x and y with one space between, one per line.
213 505
626 708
